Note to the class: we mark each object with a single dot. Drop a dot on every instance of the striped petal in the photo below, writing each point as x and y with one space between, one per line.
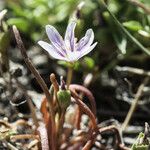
76 55
55 38
69 36
86 41
51 50
68 49
87 50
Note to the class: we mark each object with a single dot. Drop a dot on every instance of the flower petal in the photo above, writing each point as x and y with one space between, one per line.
51 50
69 36
86 41
87 50
73 56
55 38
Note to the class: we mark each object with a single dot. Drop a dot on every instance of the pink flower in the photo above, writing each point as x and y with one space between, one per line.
68 49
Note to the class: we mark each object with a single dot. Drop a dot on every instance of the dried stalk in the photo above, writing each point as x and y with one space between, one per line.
10 146
84 91
79 139
112 128
88 145
118 136
134 103
133 70
24 136
87 93
41 83
85 109
90 142
4 123
32 144
78 118
87 80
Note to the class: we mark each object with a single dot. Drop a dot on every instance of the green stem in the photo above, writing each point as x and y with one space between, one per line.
69 76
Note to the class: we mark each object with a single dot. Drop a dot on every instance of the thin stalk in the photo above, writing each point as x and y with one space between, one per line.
119 141
41 83
90 142
87 93
133 70
10 146
69 76
84 108
134 104
24 136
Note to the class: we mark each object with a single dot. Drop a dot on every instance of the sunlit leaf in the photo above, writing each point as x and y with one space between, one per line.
89 62
132 38
133 25
144 33
20 23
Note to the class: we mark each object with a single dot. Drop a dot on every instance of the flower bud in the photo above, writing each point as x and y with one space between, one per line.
64 98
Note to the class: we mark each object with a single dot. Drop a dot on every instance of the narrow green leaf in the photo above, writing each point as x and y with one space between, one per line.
133 39
21 23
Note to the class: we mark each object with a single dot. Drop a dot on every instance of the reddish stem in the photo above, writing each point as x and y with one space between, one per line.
78 118
84 108
80 88
119 142
41 83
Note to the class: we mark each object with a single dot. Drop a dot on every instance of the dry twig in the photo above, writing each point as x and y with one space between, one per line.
134 103
133 70
41 83
118 136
